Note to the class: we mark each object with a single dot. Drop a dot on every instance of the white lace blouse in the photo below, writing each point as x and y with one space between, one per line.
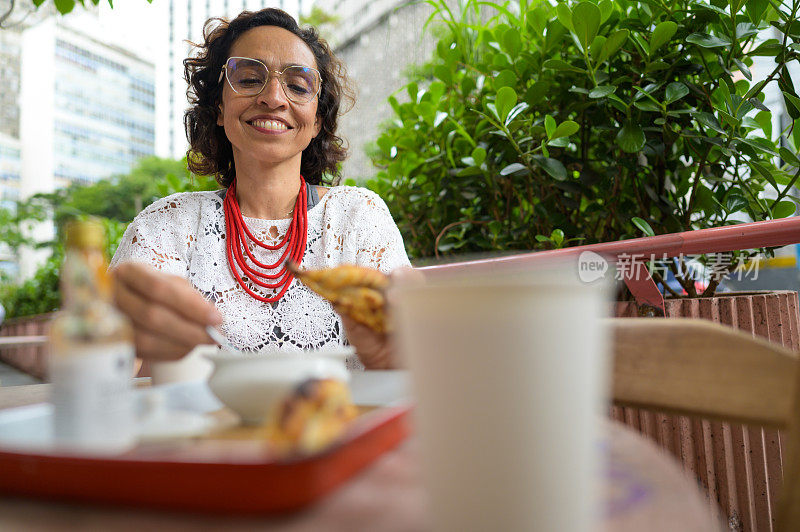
184 234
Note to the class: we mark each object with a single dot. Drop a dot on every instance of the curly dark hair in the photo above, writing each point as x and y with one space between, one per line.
210 151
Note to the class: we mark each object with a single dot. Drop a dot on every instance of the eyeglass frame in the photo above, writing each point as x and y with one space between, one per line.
279 73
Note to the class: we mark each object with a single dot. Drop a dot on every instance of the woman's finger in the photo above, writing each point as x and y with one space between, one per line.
169 291
157 319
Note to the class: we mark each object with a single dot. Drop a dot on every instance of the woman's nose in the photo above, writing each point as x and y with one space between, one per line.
272 95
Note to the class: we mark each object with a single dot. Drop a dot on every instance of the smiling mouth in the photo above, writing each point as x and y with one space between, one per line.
270 125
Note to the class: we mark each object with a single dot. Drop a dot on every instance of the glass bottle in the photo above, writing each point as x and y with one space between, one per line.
91 352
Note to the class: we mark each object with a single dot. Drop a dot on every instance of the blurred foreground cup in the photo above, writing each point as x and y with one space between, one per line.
509 377
192 367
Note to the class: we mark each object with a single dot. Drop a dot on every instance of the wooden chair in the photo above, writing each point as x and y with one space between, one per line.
698 368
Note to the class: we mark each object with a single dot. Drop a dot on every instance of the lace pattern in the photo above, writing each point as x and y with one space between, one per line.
184 234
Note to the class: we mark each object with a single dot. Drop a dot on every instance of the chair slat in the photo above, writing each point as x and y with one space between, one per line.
701 368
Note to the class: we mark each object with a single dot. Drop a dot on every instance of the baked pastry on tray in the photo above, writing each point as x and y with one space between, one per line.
312 417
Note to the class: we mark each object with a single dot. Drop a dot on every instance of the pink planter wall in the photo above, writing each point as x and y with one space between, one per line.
30 359
740 466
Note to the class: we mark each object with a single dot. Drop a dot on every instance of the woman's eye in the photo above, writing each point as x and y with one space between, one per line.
251 82
299 89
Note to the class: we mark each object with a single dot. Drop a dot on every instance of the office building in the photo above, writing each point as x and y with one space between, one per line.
86 112
87 109
9 81
377 40
10 169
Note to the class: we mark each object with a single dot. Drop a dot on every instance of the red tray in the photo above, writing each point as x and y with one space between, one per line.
214 476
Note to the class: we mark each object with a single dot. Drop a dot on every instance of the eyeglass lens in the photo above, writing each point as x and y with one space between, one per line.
248 77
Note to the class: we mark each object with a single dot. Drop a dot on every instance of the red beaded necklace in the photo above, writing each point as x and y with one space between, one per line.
296 236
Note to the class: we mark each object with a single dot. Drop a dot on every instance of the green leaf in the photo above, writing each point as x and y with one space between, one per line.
743 68
784 209
710 121
443 73
707 41
643 226
558 64
792 105
564 15
676 91
64 6
764 120
552 166
597 46
761 144
789 157
756 10
735 203
770 48
641 43
612 45
585 22
516 111
506 78
606 8
561 142
631 137
513 168
764 171
436 90
557 236
755 102
492 108
601 91
412 89
512 42
656 66
565 129
796 133
647 105
506 99
715 9
478 155
549 126
662 34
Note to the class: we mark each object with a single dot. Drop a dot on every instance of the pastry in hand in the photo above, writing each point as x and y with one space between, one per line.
353 290
315 415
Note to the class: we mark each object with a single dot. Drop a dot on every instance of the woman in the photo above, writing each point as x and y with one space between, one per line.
265 98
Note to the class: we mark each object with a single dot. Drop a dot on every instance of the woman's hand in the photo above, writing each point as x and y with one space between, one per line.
373 349
169 316
376 350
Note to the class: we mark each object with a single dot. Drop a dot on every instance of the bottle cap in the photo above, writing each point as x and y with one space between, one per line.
85 234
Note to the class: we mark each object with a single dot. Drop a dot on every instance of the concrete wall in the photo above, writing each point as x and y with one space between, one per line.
376 60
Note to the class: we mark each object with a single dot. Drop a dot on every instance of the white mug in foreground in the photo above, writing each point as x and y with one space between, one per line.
509 379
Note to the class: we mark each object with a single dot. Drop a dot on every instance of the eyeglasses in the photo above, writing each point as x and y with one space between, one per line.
248 77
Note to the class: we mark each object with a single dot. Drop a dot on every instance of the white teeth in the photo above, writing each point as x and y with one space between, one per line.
269 124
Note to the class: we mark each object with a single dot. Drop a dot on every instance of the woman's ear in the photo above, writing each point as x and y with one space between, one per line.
220 115
317 126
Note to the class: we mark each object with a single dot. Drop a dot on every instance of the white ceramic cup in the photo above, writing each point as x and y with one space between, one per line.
193 367
509 377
